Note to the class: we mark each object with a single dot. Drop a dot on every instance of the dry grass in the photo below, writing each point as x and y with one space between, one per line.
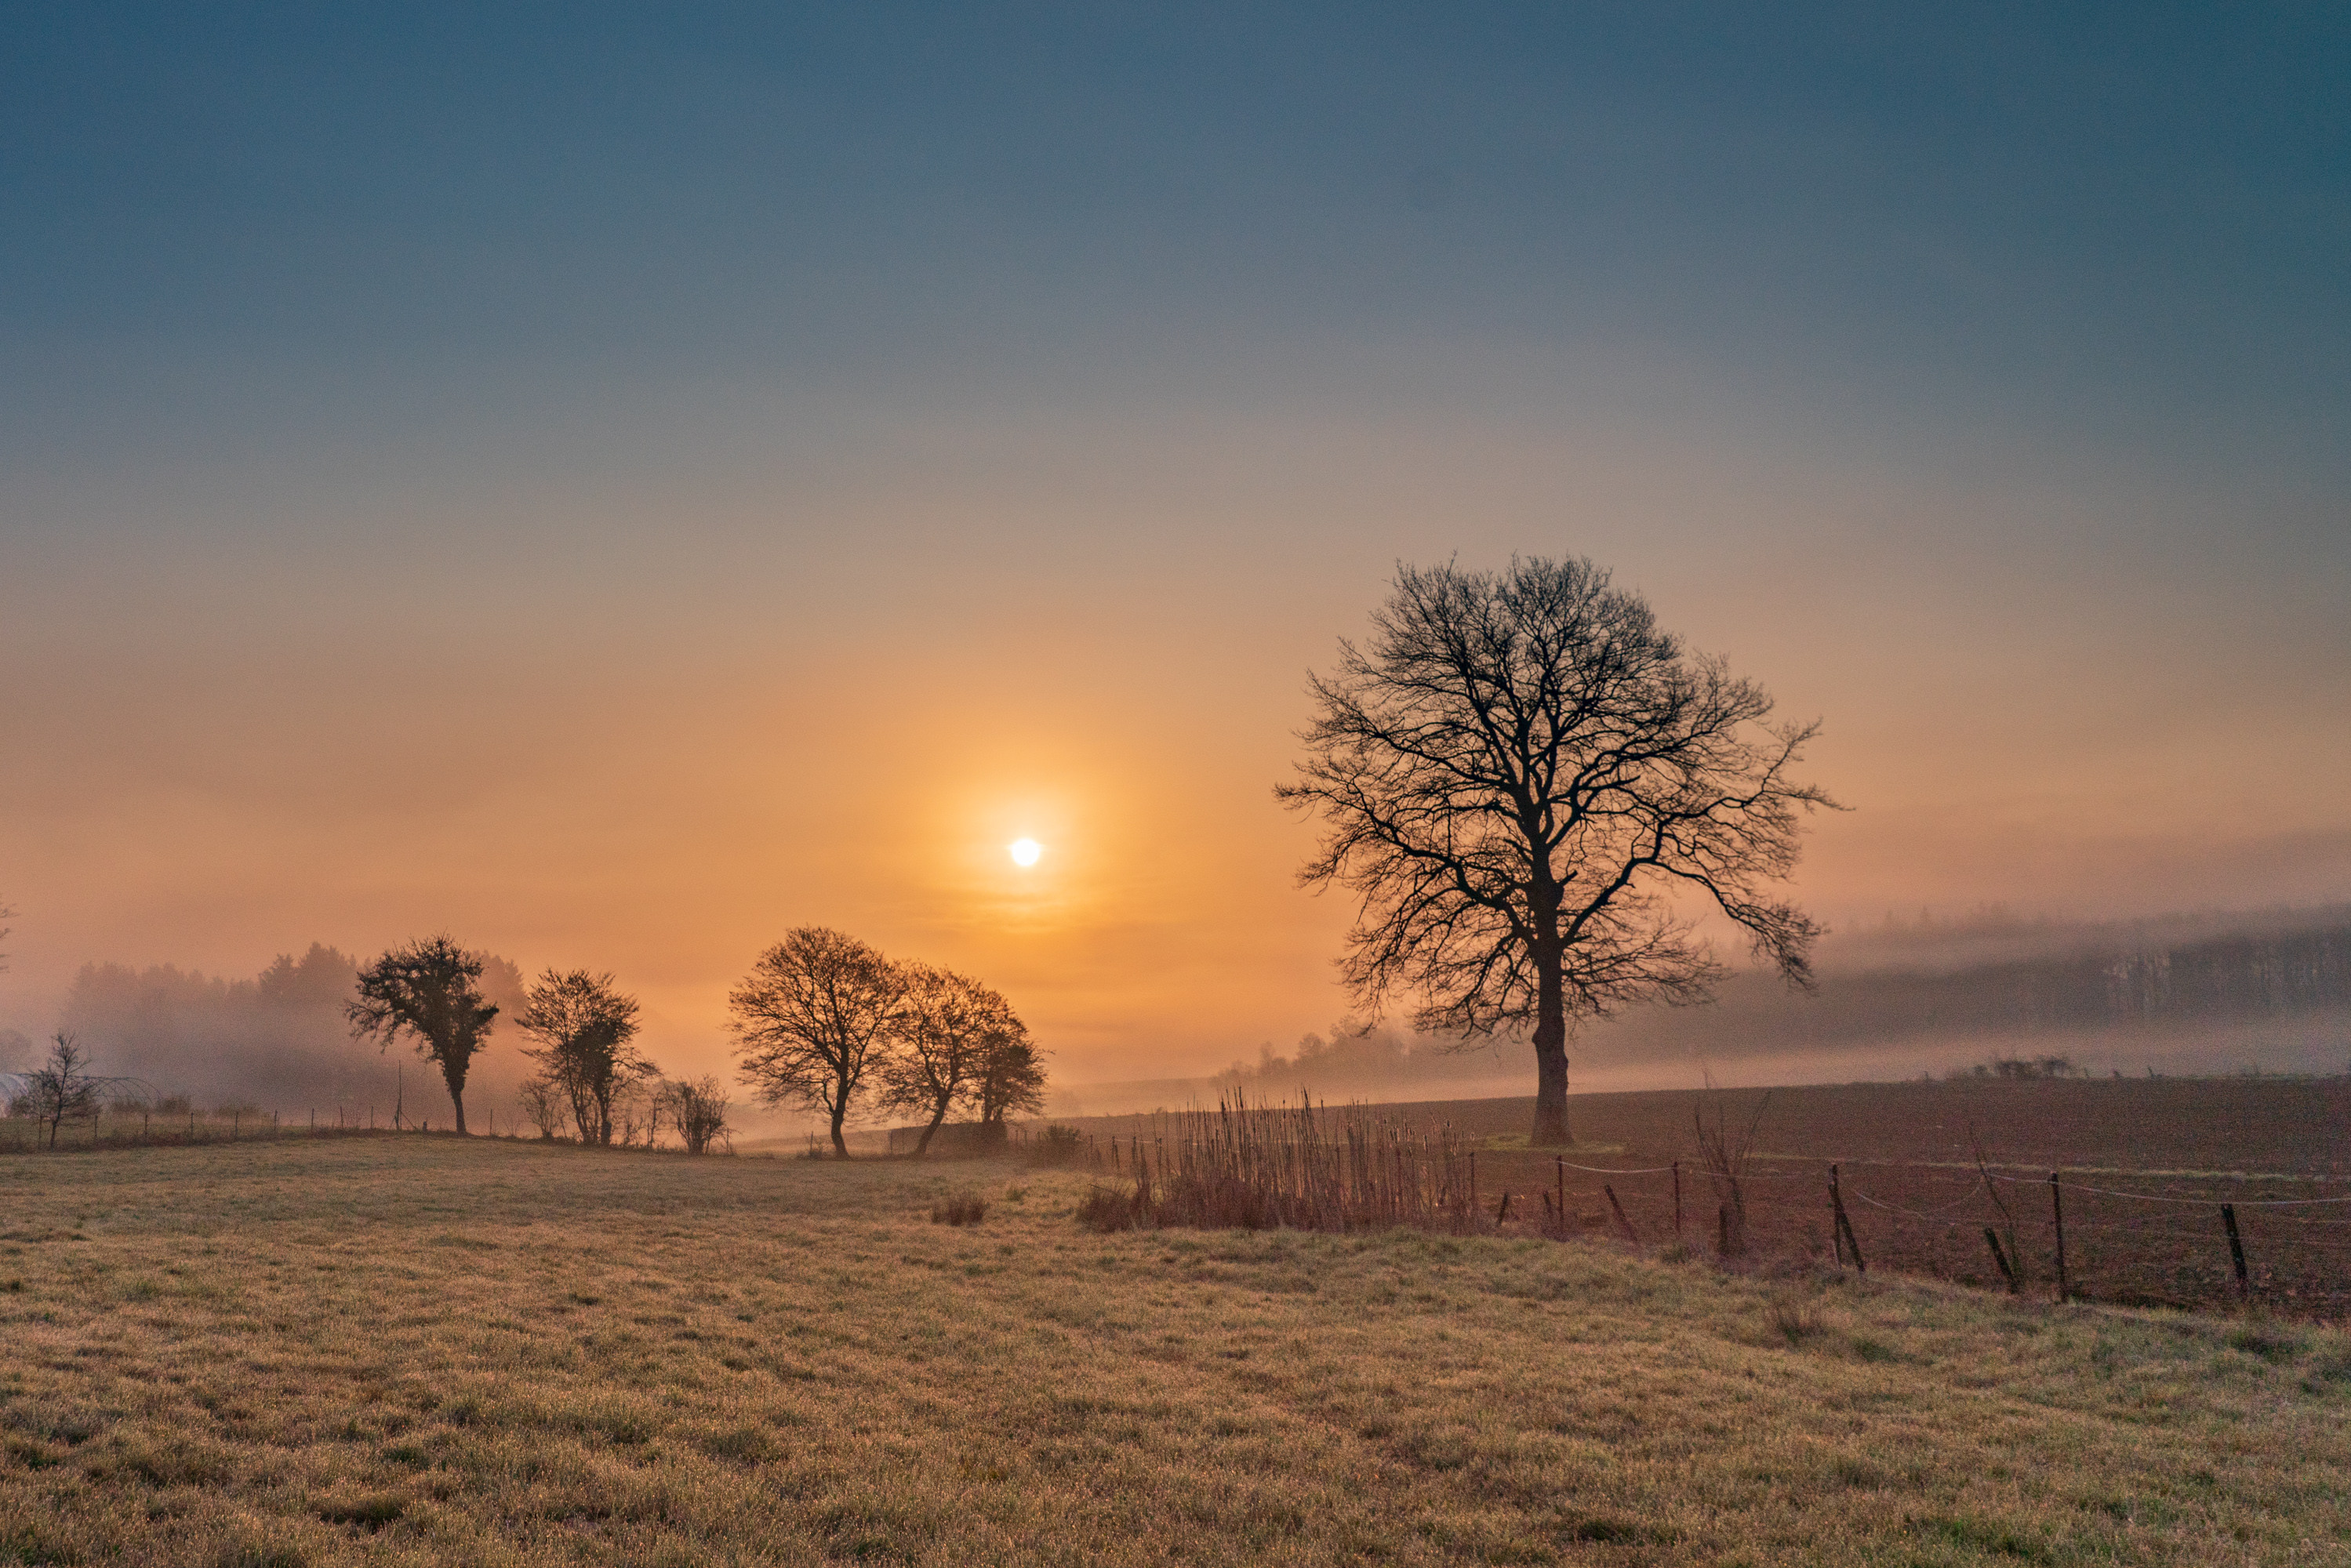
427 1351
1303 1167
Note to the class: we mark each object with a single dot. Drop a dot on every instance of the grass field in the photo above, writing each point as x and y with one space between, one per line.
419 1349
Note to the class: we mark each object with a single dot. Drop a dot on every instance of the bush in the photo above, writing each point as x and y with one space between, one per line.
1058 1146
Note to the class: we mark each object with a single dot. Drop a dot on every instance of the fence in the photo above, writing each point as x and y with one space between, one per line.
119 1129
2129 1237
2140 1238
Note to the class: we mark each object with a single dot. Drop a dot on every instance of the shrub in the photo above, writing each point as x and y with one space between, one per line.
1106 1209
1058 1146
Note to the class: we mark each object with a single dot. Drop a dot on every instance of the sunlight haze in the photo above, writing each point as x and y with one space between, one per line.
617 493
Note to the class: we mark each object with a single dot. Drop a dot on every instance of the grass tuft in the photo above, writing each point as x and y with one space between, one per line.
965 1208
1798 1318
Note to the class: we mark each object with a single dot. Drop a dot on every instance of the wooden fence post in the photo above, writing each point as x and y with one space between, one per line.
1678 1199
1836 1231
1844 1224
1630 1234
2236 1249
2057 1213
2007 1273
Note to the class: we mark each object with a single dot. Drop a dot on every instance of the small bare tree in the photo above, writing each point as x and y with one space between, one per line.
62 1088
813 1021
697 1109
585 1028
543 1105
639 1108
1519 775
429 994
946 1026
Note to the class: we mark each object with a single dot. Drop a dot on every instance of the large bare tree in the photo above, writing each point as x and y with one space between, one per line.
813 1021
1535 792
586 1030
428 993
948 1027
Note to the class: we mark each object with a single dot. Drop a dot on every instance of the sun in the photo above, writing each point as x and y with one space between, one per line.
1024 852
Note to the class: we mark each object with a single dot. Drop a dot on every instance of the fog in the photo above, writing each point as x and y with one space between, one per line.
2192 993
2195 993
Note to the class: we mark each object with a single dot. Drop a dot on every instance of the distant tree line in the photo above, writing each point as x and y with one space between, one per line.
822 1022
282 1034
2222 977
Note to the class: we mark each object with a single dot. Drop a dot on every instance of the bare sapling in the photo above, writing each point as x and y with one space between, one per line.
61 1089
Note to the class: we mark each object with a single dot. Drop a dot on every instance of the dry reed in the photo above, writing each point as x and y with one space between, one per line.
1301 1167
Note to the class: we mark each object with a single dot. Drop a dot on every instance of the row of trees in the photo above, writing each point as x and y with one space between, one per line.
824 1022
583 1031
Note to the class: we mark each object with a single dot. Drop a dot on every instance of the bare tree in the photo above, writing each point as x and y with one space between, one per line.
543 1105
1012 1078
813 1021
639 1108
62 1088
428 993
945 1030
1529 785
584 1028
697 1109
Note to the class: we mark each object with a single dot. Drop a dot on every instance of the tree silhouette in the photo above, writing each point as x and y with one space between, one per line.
584 1028
1526 782
427 992
948 1025
697 1108
62 1088
1012 1078
813 1021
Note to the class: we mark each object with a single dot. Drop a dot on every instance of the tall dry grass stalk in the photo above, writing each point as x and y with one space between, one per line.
1724 1150
1303 1167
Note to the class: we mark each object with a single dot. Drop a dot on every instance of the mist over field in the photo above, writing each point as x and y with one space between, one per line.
2207 992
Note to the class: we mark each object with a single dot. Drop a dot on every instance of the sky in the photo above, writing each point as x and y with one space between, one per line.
618 483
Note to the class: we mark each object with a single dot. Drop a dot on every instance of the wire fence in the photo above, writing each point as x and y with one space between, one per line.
2145 1238
152 1127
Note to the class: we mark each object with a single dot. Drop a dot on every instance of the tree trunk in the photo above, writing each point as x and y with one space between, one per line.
456 1083
938 1115
1550 1054
840 1143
